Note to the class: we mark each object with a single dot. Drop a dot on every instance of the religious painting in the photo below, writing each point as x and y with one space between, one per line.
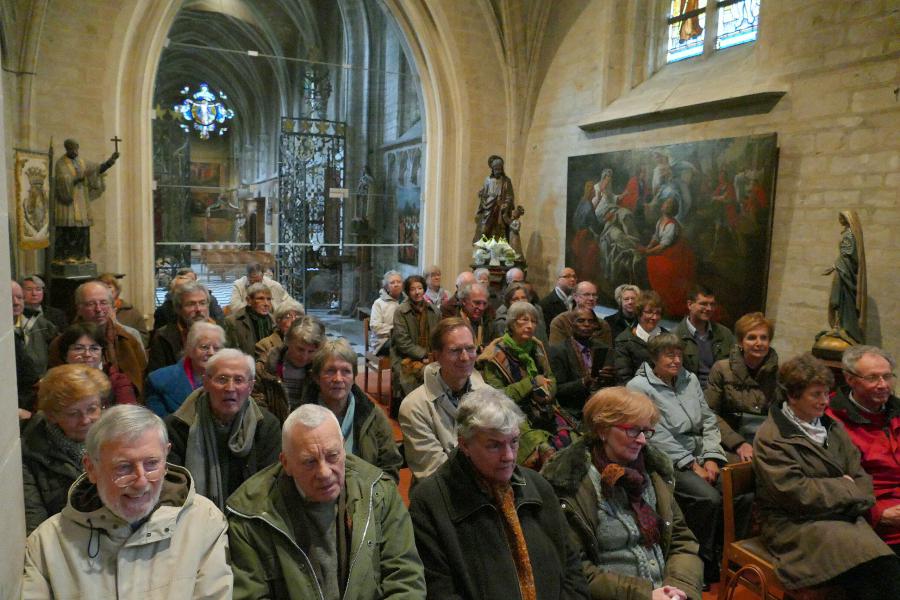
32 199
409 205
206 174
669 217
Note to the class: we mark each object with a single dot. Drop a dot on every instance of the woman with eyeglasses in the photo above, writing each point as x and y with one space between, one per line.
618 495
70 398
814 496
83 343
167 388
631 344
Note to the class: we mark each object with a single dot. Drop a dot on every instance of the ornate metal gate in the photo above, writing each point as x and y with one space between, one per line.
310 226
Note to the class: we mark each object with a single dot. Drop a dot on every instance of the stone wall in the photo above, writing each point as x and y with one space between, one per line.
838 130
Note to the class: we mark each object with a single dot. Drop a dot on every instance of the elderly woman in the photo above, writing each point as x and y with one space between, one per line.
486 528
382 320
813 495
83 343
168 387
689 435
631 345
287 312
283 375
518 364
434 293
69 399
618 495
414 321
741 388
367 432
517 292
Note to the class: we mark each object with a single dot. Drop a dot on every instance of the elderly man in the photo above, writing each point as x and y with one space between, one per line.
573 362
285 316
560 299
134 527
486 528
36 331
321 523
94 303
585 296
252 323
474 300
240 293
191 303
705 341
626 296
428 414
871 415
220 434
165 312
452 306
33 287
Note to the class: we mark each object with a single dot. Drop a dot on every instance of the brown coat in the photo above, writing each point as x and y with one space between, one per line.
405 344
813 518
561 329
239 332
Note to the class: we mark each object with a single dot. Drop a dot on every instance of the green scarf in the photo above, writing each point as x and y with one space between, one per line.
522 354
261 324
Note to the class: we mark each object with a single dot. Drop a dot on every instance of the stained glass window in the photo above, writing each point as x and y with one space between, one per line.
738 23
204 111
686 31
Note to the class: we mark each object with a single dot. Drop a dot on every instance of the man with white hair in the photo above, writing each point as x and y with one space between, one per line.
134 527
451 307
321 523
191 303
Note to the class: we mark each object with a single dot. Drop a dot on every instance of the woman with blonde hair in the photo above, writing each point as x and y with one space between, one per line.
70 398
618 496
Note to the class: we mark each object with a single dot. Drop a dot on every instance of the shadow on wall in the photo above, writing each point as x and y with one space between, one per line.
873 323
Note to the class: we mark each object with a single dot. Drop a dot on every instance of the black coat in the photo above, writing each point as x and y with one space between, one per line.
631 352
165 348
553 306
618 323
568 368
463 545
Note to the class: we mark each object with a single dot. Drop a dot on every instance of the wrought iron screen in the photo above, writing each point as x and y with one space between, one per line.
311 225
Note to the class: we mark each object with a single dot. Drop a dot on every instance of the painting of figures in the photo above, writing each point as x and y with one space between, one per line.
670 217
408 206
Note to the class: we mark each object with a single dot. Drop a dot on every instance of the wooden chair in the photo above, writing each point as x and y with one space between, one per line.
373 361
737 479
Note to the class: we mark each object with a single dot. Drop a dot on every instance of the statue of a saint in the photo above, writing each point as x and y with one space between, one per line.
78 182
847 302
494 199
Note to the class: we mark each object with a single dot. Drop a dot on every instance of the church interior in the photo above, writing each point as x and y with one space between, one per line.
335 140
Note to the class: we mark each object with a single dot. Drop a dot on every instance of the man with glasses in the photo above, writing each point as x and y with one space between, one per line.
33 286
94 304
871 415
134 526
428 414
560 299
585 297
219 433
705 341
191 302
474 299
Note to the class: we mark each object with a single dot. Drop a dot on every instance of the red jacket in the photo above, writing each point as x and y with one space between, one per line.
878 440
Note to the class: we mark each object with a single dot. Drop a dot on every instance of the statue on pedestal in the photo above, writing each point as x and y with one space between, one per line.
496 203
78 182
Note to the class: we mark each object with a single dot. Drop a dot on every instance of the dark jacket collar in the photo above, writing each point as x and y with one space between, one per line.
841 403
466 496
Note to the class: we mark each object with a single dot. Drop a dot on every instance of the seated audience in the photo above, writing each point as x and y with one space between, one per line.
689 436
165 312
133 526
585 296
620 496
366 430
517 364
428 415
626 317
743 386
69 401
252 323
321 523
560 299
191 304
813 495
705 341
870 414
516 292
122 350
434 293
219 434
36 331
452 306
483 276
486 528
514 275
83 343
167 388
285 315
381 322
631 345
240 293
472 310
33 287
414 321
283 375
126 313
572 362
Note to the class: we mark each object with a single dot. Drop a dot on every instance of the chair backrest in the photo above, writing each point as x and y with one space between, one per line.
366 333
737 479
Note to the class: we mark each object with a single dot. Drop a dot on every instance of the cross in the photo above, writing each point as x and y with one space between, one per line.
116 141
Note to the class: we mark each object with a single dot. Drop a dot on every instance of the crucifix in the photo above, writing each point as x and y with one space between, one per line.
116 139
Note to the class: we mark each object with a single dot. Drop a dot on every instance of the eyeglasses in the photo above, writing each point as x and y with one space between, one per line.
224 380
80 349
458 352
632 431
126 473
209 347
888 378
652 313
91 412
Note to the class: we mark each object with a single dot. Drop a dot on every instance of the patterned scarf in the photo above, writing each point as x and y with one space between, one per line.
504 500
633 480
261 325
522 354
72 449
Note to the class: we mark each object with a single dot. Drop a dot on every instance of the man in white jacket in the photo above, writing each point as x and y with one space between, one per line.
255 274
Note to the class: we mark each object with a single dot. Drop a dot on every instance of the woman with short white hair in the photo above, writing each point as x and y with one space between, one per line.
381 323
